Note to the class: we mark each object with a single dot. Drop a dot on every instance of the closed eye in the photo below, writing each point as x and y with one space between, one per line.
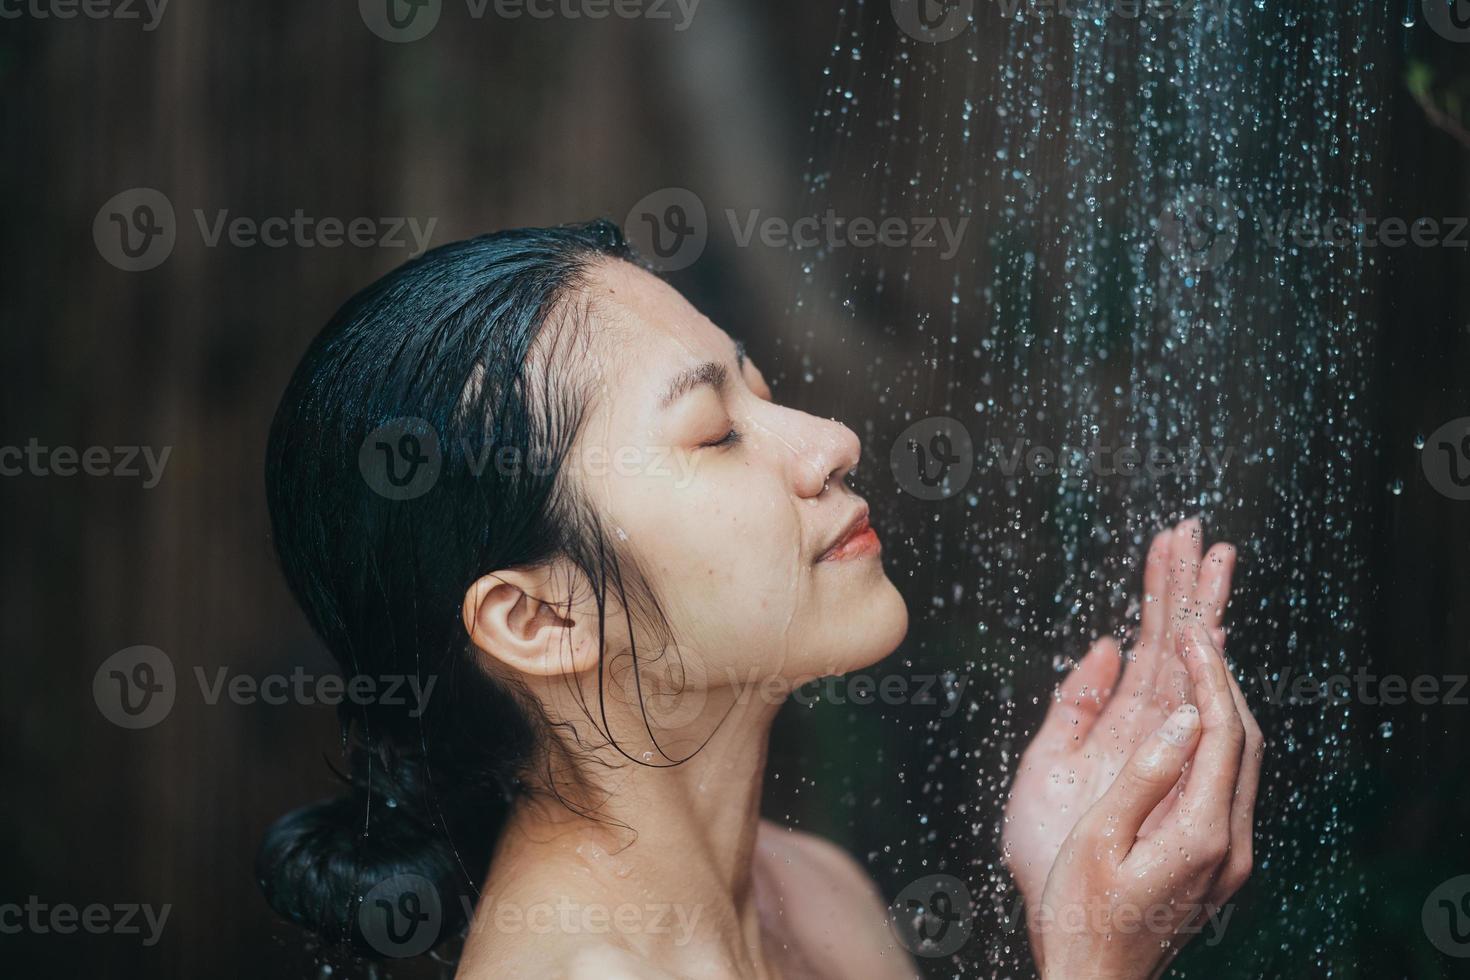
728 439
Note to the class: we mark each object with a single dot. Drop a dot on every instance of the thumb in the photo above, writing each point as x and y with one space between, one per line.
1146 779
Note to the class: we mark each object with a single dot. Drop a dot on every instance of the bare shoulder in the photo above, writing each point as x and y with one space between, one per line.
589 961
611 963
816 860
821 900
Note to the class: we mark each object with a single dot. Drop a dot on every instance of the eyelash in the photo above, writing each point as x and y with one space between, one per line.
728 439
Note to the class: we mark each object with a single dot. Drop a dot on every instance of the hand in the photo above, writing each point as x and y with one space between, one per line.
1120 902
1089 732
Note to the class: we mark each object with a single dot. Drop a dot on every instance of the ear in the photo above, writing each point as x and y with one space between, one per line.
511 616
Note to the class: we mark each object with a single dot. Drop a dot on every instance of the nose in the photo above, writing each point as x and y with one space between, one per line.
824 451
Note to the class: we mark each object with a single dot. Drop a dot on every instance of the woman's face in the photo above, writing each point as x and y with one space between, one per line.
729 503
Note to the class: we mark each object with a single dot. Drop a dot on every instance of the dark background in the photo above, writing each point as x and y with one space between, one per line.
267 107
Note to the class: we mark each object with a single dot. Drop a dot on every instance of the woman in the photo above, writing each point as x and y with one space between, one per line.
525 470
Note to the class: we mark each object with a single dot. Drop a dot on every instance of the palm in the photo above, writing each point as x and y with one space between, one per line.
1092 729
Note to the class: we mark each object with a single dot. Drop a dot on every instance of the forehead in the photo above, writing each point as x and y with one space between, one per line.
647 331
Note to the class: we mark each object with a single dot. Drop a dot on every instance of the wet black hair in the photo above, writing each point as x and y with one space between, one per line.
386 503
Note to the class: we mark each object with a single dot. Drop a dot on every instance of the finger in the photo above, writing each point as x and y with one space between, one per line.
1079 699
1184 562
1243 809
1173 686
1155 594
1166 806
1114 820
1210 790
1213 592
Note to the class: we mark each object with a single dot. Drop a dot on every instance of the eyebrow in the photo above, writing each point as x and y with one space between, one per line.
711 373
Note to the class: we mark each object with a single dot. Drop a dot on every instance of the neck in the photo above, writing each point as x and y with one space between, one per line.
681 836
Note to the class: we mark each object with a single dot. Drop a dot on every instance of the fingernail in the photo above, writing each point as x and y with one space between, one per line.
1180 727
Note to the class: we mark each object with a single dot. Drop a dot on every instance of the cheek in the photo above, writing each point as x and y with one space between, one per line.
722 555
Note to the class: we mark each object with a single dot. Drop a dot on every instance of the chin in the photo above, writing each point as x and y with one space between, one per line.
877 629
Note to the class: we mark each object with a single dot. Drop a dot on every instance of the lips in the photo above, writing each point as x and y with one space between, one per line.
857 538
